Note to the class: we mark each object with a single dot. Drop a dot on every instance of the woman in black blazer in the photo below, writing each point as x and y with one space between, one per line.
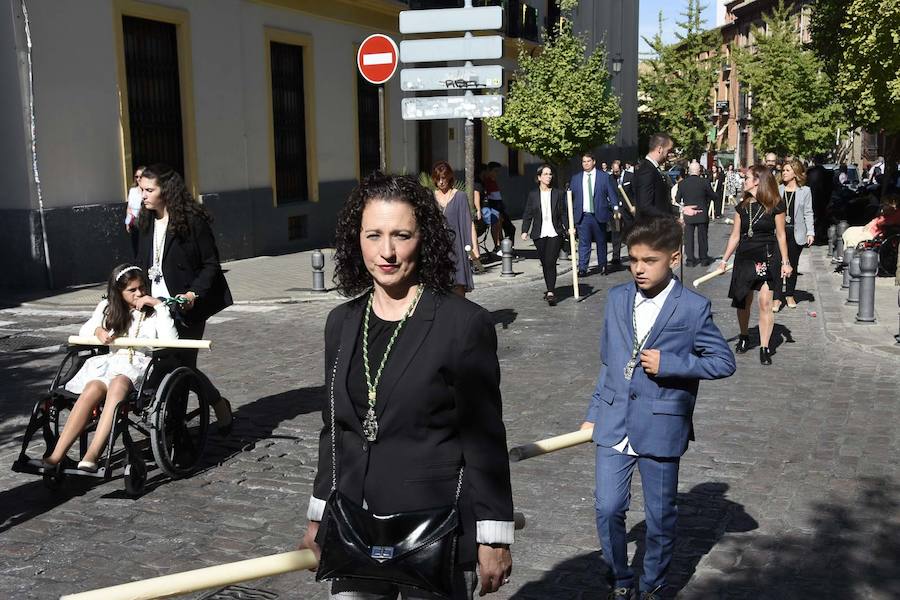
543 218
423 400
178 252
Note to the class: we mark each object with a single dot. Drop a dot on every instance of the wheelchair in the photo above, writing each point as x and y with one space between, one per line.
168 412
886 245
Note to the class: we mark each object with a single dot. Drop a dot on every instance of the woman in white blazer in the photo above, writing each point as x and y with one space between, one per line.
798 224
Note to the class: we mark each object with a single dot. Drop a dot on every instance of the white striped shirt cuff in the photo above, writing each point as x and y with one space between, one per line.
316 509
495 532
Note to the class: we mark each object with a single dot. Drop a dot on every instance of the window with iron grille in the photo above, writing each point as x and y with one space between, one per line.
368 120
289 123
154 92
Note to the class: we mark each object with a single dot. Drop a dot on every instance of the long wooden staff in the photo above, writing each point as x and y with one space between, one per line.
573 253
559 442
77 340
628 203
186 582
713 274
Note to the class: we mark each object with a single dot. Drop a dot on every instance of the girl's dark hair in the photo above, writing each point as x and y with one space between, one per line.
540 169
767 192
117 314
435 266
443 169
180 205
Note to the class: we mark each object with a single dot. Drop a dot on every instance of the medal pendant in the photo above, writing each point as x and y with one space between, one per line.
370 426
750 234
154 273
629 369
787 220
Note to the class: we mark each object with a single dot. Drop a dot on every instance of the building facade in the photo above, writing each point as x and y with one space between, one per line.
257 102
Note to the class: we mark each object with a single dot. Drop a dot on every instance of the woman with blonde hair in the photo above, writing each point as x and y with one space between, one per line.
799 225
757 239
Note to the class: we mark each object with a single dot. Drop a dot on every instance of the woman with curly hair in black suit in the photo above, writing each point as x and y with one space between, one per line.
178 252
413 416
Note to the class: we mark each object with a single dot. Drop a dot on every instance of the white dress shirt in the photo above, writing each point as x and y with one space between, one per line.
159 289
585 197
547 228
646 310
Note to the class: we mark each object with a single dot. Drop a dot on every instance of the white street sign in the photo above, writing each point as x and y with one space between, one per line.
469 106
464 48
451 78
451 19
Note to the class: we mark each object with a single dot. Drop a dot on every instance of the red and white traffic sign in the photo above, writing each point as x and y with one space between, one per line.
377 58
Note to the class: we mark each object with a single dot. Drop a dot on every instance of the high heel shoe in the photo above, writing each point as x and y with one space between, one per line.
551 299
743 344
765 357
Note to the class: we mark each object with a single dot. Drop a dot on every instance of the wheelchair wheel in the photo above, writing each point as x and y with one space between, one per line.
179 423
887 256
135 476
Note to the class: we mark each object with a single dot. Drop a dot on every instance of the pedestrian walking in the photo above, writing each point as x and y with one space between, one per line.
595 201
733 184
543 218
799 226
717 183
651 184
696 196
658 342
492 189
127 311
178 252
759 244
622 180
413 416
133 210
455 207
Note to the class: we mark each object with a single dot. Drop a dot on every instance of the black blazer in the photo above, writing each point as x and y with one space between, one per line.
532 216
190 263
438 408
651 190
696 191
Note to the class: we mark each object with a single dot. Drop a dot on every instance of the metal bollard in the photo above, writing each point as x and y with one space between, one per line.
868 269
853 290
839 241
506 250
832 239
318 266
846 256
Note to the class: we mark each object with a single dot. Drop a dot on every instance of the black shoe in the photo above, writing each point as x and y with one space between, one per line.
653 594
582 273
706 261
743 344
691 262
551 298
622 593
765 357
604 270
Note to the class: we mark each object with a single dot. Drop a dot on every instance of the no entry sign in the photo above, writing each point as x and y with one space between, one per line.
377 58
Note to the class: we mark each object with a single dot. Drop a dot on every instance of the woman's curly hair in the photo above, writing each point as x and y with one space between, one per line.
180 204
435 265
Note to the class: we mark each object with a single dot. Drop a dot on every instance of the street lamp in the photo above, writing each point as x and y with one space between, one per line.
617 64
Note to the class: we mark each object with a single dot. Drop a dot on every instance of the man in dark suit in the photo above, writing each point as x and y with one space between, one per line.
651 185
622 180
695 195
594 200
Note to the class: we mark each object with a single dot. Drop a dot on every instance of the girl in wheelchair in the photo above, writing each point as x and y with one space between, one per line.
127 311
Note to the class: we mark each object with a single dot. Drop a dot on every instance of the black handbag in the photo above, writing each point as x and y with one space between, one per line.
415 548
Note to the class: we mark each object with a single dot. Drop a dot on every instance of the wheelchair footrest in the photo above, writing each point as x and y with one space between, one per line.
34 466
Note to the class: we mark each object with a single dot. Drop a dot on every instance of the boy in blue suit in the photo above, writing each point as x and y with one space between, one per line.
658 342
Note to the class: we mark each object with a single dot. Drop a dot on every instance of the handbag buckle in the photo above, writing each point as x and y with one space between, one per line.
381 552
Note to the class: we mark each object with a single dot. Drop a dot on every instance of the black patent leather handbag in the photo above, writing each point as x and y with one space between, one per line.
415 548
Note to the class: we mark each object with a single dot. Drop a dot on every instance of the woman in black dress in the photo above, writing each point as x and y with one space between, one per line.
759 244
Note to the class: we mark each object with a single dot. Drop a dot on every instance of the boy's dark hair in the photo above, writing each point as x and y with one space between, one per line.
660 233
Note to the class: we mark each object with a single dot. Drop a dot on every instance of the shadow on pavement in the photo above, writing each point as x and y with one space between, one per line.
29 500
504 317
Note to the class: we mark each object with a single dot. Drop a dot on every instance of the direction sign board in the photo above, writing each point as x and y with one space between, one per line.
441 49
377 58
451 78
468 106
451 19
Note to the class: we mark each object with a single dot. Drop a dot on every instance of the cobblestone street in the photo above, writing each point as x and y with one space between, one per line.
790 491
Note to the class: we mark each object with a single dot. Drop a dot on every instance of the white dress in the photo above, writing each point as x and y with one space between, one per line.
103 368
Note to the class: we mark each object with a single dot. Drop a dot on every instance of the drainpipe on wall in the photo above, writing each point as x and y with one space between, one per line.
34 161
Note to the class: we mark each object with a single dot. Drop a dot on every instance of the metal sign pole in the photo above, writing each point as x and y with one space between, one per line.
381 150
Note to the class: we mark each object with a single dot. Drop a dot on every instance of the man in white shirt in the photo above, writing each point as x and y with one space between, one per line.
595 201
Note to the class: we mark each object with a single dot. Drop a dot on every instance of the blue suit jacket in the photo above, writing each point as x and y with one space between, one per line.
606 196
655 411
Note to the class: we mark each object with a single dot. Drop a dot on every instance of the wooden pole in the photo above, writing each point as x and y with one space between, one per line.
77 340
713 275
573 252
567 440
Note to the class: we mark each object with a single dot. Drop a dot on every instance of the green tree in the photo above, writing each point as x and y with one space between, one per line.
794 110
560 102
675 85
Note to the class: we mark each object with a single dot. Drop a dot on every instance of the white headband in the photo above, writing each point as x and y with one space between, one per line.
125 270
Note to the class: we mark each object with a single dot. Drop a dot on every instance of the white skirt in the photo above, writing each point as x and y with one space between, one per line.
105 367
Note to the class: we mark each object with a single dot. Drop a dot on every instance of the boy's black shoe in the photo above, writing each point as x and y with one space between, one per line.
622 593
743 344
